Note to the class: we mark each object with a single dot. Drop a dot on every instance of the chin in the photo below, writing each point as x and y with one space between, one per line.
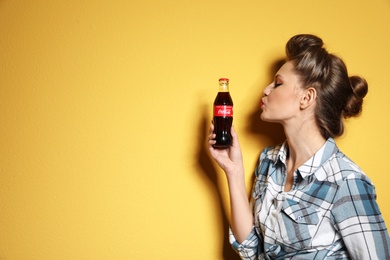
267 119
263 117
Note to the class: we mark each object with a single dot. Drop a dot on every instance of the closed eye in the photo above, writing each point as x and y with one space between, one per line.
277 84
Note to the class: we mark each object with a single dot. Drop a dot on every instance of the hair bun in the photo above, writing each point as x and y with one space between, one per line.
359 87
301 43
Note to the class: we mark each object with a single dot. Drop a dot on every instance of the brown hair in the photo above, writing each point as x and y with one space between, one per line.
338 95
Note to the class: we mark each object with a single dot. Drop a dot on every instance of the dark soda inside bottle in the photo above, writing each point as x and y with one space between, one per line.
223 115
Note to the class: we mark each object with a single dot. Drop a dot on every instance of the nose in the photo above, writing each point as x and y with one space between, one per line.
267 90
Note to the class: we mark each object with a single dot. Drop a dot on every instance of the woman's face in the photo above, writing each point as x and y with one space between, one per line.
281 99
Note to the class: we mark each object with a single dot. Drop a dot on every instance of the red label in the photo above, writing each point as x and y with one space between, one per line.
223 111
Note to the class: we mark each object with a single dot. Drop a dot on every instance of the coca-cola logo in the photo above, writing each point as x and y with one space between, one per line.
223 111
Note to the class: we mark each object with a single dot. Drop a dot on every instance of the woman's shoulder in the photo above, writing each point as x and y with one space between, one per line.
345 169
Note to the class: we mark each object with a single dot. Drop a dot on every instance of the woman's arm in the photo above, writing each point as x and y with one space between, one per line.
230 160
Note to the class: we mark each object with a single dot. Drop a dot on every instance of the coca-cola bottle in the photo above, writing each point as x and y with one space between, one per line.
223 115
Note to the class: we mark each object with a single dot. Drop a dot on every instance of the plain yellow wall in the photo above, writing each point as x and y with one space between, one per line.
105 106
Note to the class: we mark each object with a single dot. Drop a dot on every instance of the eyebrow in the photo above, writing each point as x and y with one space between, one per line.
278 76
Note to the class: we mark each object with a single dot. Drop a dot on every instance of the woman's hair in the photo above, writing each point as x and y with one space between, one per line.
338 95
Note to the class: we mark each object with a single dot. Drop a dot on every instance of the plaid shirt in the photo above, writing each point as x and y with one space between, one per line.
330 212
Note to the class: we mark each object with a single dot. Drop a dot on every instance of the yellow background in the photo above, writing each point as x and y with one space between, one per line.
105 108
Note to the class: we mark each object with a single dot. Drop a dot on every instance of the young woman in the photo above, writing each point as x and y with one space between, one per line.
309 200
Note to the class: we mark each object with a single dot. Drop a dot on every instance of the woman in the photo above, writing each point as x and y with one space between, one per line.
309 201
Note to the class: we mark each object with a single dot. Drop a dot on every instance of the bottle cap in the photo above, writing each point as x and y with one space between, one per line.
224 79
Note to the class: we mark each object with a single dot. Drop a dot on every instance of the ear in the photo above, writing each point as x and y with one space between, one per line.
309 97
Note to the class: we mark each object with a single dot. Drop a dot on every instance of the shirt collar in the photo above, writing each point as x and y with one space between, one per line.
279 154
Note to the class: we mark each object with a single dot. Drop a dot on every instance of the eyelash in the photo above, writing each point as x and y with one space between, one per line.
277 84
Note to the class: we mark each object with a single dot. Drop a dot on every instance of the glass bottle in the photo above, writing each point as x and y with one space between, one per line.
223 115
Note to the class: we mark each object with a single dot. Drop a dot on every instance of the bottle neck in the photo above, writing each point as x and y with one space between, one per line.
223 86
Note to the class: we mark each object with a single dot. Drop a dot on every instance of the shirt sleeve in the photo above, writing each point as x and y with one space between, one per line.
248 248
359 221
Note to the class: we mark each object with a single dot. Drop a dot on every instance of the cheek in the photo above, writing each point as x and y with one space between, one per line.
282 102
277 99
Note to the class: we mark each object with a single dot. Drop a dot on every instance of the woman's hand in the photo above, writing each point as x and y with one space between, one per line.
229 159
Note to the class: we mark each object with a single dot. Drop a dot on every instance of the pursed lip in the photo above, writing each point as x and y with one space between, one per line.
261 103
